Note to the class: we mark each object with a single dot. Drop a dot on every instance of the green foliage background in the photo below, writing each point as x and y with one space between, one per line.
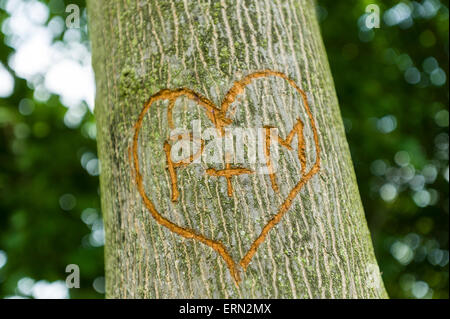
392 83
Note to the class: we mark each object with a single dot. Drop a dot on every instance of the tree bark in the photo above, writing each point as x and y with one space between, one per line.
196 230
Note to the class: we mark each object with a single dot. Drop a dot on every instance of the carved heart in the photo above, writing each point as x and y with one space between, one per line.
218 118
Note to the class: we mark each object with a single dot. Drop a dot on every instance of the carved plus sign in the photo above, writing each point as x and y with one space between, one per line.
228 173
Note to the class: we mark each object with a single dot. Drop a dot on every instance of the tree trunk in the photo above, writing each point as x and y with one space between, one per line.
224 229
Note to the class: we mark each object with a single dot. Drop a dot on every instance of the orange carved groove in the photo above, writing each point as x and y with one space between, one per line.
219 119
228 172
172 166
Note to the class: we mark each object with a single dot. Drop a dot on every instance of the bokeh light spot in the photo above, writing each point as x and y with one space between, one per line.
388 192
412 75
420 289
441 118
7 82
3 259
438 77
427 38
387 124
46 290
25 286
378 167
26 106
430 64
402 252
99 285
67 202
422 198
402 158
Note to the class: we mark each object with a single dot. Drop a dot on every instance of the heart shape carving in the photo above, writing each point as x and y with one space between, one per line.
217 115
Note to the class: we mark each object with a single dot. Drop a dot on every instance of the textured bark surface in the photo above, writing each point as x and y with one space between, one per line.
321 248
